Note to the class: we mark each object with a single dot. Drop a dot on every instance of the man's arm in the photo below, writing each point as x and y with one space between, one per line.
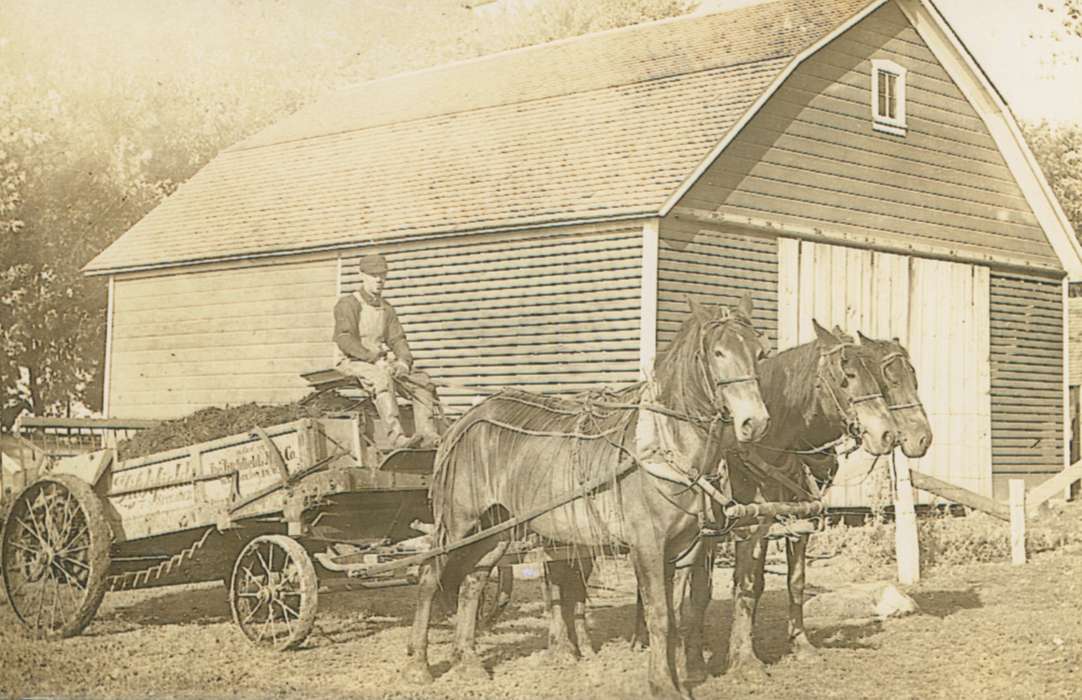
346 334
396 338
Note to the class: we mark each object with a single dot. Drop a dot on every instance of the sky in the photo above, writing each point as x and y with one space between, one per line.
1012 41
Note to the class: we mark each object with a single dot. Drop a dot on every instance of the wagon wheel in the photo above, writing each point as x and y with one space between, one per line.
495 596
55 556
274 592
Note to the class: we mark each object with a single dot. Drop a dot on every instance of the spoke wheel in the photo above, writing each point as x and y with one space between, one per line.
274 593
54 556
495 596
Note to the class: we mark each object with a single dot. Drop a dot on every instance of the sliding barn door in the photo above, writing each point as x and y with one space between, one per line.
938 310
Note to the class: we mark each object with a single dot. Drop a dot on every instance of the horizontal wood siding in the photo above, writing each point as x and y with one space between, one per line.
714 266
811 156
555 312
212 337
1027 375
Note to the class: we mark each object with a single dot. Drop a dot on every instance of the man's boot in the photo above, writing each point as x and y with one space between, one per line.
387 409
423 425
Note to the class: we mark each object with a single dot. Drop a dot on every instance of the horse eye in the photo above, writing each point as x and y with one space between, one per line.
719 353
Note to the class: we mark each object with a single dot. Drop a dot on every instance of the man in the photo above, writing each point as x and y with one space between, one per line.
367 331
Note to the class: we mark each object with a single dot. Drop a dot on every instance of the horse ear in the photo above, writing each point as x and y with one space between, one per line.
824 335
863 338
745 306
693 305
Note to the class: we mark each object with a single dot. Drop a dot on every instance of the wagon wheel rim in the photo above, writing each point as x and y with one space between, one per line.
272 592
49 568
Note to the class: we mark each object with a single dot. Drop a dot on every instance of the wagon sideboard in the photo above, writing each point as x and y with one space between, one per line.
220 482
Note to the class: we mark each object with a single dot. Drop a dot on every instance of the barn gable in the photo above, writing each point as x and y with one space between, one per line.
812 155
930 233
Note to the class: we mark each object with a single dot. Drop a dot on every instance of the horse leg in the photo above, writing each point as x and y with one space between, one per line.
795 551
465 656
585 567
655 576
747 587
640 638
692 609
561 606
417 669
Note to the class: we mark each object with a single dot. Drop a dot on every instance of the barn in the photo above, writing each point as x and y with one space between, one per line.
546 211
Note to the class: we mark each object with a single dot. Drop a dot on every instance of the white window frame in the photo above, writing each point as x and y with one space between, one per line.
882 122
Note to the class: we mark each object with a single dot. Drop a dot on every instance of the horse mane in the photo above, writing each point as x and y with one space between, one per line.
676 370
789 381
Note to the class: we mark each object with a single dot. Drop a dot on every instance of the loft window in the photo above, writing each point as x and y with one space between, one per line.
888 97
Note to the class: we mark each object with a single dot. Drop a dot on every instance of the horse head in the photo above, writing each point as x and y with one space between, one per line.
898 380
730 348
853 391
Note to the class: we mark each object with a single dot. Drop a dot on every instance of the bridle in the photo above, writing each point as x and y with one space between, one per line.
833 387
724 414
888 360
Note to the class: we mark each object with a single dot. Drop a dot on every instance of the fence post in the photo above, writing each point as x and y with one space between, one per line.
906 544
1017 504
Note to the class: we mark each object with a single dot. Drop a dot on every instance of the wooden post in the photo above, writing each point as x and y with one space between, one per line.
1018 521
906 544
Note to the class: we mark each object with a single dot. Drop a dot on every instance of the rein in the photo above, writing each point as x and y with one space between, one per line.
852 423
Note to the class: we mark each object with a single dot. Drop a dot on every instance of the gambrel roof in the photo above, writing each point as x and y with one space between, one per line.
597 127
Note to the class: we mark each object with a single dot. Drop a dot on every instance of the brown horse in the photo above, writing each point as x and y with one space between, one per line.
815 392
517 452
896 381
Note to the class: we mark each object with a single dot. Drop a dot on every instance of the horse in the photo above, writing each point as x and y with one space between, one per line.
896 380
512 457
815 393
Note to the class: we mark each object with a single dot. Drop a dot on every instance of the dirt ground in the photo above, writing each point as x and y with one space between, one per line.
987 630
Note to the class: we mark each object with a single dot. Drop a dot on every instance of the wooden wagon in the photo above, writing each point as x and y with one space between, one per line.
253 510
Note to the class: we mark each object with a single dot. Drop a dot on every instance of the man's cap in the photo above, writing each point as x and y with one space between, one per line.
373 264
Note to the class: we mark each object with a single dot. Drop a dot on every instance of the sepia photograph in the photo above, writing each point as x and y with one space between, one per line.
526 349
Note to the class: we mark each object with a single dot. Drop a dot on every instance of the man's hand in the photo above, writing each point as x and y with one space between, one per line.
399 368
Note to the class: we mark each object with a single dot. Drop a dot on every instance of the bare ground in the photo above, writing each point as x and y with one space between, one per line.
987 630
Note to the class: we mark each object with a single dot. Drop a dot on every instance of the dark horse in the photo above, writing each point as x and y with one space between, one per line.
517 452
788 455
815 393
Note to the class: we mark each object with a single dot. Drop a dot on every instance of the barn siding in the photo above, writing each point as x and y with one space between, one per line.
811 156
1027 377
556 312
218 336
717 266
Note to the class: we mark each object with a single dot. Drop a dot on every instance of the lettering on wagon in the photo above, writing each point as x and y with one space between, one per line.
154 485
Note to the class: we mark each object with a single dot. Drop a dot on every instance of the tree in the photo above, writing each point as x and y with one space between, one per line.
95 130
1058 150
1069 13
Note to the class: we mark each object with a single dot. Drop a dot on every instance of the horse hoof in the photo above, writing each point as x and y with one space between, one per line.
695 671
752 672
563 654
471 669
417 674
806 652
668 692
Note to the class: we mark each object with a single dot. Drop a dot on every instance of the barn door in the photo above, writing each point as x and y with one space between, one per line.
938 310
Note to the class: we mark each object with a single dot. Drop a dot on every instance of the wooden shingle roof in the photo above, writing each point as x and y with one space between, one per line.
598 127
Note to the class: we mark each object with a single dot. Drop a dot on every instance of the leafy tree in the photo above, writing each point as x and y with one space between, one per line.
97 128
1058 149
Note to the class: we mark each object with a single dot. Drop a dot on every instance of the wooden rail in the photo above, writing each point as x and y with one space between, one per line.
1015 511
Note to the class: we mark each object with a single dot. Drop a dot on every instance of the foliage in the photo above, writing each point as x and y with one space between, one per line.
867 551
1058 150
97 128
1069 12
